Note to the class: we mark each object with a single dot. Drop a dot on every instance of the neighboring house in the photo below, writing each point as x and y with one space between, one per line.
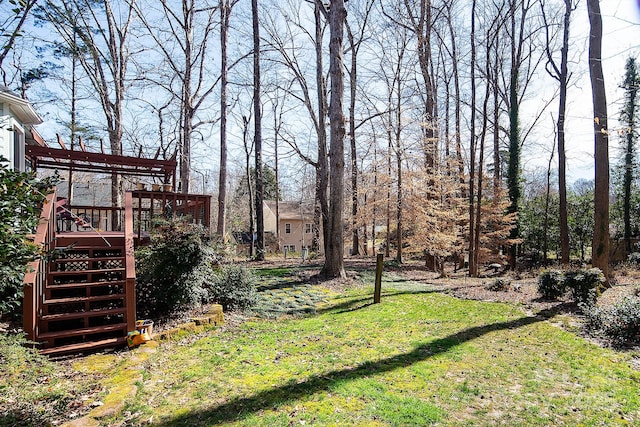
296 224
16 118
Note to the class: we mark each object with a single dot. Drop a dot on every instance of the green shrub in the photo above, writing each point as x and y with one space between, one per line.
551 284
634 258
619 323
584 285
21 198
234 287
175 271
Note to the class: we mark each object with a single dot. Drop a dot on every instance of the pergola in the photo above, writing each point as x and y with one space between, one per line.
42 156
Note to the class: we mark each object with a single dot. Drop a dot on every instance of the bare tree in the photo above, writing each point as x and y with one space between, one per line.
600 246
103 33
257 136
355 43
225 7
183 38
248 149
473 268
286 43
561 74
334 255
11 25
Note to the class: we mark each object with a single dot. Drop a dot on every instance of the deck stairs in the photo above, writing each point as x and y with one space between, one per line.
84 298
80 295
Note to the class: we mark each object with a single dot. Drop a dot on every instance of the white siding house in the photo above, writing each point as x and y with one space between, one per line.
16 115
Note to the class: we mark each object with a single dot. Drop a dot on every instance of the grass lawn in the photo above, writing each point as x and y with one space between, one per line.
419 358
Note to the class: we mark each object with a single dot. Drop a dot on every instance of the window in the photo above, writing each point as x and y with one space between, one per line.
307 228
18 150
289 248
287 228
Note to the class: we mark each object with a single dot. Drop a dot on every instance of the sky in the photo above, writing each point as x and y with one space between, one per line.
621 39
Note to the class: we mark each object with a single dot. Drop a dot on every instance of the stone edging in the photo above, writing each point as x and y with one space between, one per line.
125 388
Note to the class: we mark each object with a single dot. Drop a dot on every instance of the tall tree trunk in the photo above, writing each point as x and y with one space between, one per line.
322 170
483 136
513 167
387 246
600 246
247 160
631 86
473 269
187 101
334 258
225 11
355 246
547 197
398 142
562 75
276 133
565 249
257 121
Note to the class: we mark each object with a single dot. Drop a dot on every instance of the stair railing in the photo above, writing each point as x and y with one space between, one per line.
35 278
130 266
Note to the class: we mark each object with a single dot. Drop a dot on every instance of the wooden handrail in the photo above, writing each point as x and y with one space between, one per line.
34 279
130 266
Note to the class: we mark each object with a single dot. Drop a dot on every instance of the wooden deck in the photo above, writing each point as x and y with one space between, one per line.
81 296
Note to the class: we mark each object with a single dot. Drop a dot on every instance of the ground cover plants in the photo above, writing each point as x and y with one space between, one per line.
34 391
321 353
420 357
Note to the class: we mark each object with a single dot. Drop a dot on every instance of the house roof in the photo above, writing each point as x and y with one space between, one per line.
292 210
20 107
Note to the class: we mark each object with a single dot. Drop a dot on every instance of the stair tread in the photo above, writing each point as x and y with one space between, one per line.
83 331
63 272
90 345
84 299
84 284
72 247
101 258
81 314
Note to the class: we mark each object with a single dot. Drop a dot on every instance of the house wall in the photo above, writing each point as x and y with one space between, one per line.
269 218
298 236
11 139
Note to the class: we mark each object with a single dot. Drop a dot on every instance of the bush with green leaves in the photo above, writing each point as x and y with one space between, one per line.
174 272
21 198
551 284
234 287
634 258
584 285
618 324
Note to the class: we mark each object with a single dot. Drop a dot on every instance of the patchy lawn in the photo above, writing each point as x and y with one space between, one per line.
320 353
35 391
421 357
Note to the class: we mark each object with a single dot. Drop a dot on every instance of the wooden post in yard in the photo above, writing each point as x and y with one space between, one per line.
378 285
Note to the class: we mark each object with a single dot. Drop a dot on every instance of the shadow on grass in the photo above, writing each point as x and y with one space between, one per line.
353 304
242 407
279 285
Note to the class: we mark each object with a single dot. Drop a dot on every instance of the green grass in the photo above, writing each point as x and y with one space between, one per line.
273 272
34 391
419 358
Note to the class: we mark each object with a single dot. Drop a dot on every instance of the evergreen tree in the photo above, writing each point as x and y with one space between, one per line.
630 133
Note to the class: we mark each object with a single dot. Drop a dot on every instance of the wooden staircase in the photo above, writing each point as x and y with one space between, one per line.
81 296
84 305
